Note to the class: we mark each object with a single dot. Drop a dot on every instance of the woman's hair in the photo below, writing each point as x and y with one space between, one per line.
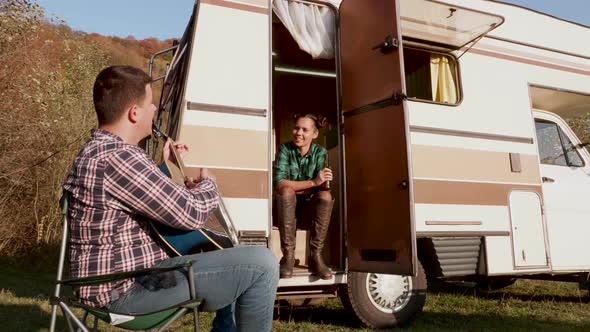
319 124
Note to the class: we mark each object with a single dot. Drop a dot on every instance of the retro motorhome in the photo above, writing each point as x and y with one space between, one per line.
447 133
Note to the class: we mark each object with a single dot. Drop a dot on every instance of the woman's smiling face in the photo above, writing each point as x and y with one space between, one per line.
304 132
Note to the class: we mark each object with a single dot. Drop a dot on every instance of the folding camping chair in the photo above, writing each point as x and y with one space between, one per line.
152 321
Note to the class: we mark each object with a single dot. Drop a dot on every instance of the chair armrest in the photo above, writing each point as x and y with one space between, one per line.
99 279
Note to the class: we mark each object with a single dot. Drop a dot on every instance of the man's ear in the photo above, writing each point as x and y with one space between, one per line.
316 133
132 113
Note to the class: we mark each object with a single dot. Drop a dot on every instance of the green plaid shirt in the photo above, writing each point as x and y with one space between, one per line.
291 165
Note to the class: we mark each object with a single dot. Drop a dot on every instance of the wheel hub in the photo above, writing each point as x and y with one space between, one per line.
389 293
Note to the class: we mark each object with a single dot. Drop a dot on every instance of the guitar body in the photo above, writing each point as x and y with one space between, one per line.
186 242
183 242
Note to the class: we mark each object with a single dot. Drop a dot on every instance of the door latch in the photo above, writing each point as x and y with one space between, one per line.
404 184
388 45
548 180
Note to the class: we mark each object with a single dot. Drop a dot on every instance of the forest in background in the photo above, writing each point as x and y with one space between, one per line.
47 71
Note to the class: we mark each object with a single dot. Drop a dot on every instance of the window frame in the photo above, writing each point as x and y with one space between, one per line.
560 133
458 80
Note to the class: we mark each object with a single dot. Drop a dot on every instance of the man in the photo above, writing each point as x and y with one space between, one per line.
115 189
299 176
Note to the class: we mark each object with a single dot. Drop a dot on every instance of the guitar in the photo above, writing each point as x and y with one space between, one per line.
218 232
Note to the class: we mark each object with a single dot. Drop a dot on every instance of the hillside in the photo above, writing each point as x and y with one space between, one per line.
46 75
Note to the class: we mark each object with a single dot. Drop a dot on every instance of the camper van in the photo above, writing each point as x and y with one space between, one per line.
449 132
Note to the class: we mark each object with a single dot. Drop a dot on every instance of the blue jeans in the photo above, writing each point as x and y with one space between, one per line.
244 276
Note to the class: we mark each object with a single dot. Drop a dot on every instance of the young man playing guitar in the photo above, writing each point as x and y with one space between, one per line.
116 190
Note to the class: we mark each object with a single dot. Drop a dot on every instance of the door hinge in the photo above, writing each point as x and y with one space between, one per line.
398 98
388 45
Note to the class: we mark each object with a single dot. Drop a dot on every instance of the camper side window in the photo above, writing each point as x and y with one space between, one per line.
555 148
431 76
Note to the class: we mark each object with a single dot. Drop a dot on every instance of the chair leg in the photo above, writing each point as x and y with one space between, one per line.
193 292
95 324
67 319
53 318
172 319
84 317
70 315
196 314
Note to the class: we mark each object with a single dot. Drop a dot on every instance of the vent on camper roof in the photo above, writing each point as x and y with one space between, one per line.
444 24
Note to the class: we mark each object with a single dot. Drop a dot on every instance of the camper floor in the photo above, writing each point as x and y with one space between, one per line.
303 277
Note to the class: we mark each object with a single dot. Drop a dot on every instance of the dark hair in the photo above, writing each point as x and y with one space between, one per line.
316 121
115 88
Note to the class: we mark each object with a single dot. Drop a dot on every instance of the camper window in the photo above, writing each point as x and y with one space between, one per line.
431 76
555 148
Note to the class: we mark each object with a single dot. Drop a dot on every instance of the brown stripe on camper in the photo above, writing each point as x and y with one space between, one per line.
447 163
225 147
528 61
466 193
529 55
255 6
235 183
470 134
192 106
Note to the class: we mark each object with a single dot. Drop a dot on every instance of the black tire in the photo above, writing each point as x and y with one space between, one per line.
401 306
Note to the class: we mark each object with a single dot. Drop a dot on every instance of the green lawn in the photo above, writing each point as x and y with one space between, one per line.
526 306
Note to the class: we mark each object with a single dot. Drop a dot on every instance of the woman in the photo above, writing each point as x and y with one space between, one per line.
299 177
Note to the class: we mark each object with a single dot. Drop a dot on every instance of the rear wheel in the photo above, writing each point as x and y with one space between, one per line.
384 300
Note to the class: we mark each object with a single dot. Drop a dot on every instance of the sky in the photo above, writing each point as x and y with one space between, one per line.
161 19
164 19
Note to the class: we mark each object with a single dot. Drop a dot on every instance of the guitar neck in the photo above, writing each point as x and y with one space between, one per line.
179 163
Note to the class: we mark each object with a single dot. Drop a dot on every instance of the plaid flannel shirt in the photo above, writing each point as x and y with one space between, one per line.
291 165
115 189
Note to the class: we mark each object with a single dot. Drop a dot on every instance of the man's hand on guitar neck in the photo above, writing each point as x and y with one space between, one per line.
203 174
207 173
181 149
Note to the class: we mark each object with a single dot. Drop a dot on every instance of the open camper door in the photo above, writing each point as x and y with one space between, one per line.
379 216
224 114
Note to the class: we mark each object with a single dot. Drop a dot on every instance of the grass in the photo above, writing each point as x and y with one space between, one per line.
528 305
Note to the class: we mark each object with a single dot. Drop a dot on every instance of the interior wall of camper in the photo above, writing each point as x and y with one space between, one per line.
300 92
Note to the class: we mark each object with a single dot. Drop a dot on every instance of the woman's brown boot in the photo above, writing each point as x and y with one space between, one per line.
287 230
319 231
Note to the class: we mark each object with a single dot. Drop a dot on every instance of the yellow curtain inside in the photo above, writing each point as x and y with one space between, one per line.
444 89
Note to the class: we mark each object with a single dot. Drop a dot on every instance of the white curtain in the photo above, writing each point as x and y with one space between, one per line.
311 26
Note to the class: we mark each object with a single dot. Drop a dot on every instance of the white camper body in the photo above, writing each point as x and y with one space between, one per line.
472 177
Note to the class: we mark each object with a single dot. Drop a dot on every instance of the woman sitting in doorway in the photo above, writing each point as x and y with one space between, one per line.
299 179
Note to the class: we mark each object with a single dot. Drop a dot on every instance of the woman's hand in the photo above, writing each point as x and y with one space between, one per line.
323 176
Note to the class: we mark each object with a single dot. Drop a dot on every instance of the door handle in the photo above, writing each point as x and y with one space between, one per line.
548 180
388 45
